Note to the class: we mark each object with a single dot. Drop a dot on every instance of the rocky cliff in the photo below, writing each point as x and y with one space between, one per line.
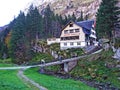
68 7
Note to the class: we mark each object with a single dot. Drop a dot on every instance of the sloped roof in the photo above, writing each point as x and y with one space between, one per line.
86 25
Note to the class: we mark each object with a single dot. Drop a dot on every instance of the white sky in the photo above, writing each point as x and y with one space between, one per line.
11 8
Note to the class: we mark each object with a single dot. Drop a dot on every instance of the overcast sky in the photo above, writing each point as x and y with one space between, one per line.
11 8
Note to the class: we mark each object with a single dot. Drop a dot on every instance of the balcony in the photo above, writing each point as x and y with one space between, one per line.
69 38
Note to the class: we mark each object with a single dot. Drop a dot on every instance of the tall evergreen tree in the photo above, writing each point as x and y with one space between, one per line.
65 20
87 17
3 46
73 18
48 16
3 50
17 43
34 23
81 18
107 18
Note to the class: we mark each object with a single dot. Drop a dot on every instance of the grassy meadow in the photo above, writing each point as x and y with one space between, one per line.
10 81
53 83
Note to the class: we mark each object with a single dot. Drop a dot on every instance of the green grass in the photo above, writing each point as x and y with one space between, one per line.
10 81
53 83
117 42
9 60
39 56
6 65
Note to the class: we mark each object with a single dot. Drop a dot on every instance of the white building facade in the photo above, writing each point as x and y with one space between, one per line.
79 34
53 40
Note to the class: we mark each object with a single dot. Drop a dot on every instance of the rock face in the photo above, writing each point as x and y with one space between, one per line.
68 7
117 54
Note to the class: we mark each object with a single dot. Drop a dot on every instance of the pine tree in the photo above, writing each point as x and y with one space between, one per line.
34 23
81 18
48 15
3 50
65 20
3 45
73 17
18 47
107 18
87 17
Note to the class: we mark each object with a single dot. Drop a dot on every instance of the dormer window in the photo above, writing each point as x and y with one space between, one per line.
71 25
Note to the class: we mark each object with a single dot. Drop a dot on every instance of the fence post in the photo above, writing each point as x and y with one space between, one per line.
66 68
42 70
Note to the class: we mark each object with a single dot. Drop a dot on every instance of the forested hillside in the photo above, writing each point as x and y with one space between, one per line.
24 31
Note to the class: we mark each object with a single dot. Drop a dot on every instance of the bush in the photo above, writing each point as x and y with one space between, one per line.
117 42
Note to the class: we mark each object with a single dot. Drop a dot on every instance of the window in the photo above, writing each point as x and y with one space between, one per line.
66 31
78 43
71 25
62 38
76 30
71 43
71 31
65 44
93 33
70 38
93 28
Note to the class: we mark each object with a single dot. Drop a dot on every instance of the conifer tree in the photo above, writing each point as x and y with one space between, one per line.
81 18
107 18
34 23
48 15
17 43
73 17
86 17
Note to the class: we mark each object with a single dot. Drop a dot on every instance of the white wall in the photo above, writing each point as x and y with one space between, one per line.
53 40
93 35
81 39
81 33
62 46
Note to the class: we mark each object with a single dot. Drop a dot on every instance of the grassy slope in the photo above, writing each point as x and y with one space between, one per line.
53 83
5 65
10 81
6 60
93 68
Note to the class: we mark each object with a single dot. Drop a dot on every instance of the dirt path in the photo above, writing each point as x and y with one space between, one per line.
27 80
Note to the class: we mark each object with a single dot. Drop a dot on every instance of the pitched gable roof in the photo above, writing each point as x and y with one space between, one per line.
86 25
67 24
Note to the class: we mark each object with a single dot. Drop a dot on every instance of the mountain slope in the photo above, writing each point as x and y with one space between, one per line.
68 7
